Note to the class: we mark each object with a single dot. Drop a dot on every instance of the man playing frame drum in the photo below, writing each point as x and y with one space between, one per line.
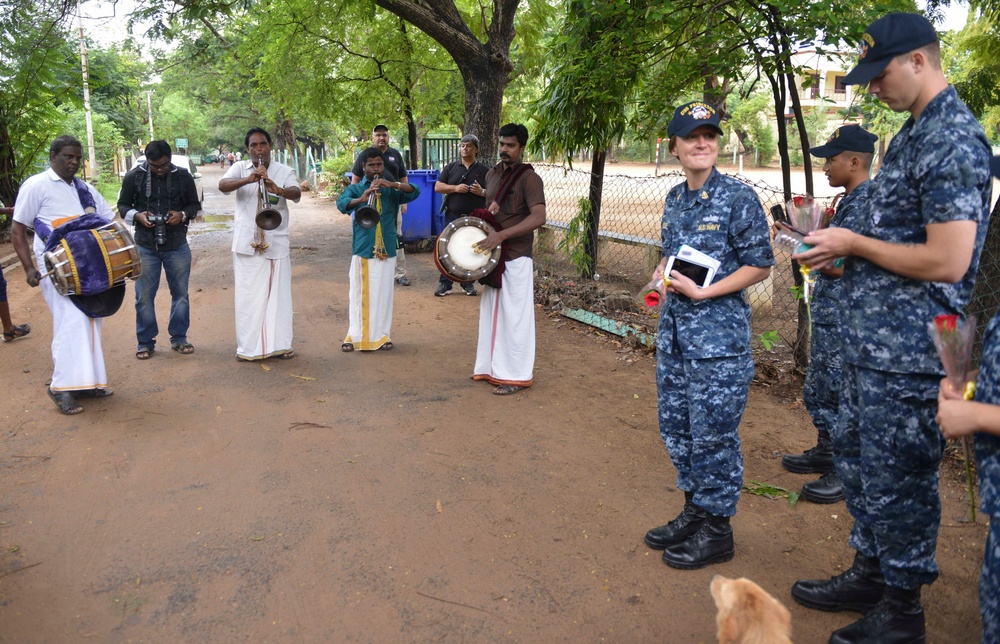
373 260
505 356
47 201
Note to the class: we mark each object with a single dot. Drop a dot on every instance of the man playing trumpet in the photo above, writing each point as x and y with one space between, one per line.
373 254
261 264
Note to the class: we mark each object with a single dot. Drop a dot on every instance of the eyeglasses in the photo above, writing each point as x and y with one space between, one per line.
159 166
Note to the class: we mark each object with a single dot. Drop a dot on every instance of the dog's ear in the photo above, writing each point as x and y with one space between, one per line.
720 588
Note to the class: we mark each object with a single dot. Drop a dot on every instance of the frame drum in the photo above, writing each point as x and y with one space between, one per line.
454 251
88 262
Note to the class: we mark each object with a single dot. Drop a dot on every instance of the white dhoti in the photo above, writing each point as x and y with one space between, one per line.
77 352
506 351
263 306
370 319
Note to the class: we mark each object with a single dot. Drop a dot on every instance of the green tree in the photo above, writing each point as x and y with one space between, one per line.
477 38
583 107
34 49
108 138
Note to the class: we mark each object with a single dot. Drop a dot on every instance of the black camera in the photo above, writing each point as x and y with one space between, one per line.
159 227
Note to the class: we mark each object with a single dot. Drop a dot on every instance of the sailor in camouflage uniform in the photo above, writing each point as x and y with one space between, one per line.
915 257
703 361
848 155
958 418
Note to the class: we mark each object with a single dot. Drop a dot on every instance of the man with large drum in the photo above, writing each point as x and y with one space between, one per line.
45 202
505 356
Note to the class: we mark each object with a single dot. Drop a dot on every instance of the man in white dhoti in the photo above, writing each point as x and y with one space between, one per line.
46 201
373 255
505 356
261 263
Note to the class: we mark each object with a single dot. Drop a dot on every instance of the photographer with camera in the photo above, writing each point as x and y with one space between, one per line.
160 199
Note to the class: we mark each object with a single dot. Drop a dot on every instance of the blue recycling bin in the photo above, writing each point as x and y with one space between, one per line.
437 217
417 222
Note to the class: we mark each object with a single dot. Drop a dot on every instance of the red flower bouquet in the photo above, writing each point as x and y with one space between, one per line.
953 339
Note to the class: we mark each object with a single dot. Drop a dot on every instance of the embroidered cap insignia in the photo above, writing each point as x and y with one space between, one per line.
867 42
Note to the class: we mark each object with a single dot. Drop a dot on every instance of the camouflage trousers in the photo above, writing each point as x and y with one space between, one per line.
821 392
989 584
701 403
888 451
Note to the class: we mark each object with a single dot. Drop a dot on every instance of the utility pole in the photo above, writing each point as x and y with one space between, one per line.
86 96
149 108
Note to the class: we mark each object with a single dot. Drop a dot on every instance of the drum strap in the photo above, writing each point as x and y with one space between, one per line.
508 183
495 277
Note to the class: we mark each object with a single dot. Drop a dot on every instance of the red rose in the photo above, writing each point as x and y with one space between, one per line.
798 201
946 323
652 298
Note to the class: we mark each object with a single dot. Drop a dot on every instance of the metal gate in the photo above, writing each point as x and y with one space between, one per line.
437 153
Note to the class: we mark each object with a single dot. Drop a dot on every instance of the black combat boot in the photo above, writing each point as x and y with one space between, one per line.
828 489
712 543
815 460
685 525
859 588
897 619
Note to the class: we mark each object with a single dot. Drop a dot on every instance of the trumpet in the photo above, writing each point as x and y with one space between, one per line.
267 218
367 216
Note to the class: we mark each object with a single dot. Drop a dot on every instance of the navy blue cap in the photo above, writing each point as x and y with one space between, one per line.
995 167
889 36
690 116
853 138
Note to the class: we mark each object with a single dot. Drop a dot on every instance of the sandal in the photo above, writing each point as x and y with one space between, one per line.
144 354
347 347
97 392
287 356
506 390
183 347
19 331
65 402
386 347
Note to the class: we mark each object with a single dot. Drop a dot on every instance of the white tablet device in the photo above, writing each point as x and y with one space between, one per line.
693 264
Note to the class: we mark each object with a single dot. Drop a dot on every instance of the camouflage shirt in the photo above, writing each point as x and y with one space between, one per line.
723 219
988 445
936 170
828 292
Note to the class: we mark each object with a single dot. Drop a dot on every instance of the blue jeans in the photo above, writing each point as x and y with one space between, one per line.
177 265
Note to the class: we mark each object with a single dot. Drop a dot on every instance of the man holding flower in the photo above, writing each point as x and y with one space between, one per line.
914 257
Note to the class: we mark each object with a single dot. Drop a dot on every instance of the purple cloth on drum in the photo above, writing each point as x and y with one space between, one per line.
86 251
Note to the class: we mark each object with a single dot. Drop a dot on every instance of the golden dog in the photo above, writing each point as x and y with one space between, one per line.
748 614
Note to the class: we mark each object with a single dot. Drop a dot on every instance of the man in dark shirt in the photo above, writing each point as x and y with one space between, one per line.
463 184
395 170
505 356
160 199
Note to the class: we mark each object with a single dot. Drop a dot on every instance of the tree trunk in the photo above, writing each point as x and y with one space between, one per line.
803 134
594 225
485 67
8 184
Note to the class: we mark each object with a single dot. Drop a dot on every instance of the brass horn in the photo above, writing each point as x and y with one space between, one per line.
367 216
267 218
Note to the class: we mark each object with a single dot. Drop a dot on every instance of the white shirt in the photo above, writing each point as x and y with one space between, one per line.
47 197
244 222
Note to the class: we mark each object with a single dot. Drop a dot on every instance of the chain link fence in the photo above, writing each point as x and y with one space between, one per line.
629 246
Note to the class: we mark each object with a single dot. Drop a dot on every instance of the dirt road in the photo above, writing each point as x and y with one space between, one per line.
382 497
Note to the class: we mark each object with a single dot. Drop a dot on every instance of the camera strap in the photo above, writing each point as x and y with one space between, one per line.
149 187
